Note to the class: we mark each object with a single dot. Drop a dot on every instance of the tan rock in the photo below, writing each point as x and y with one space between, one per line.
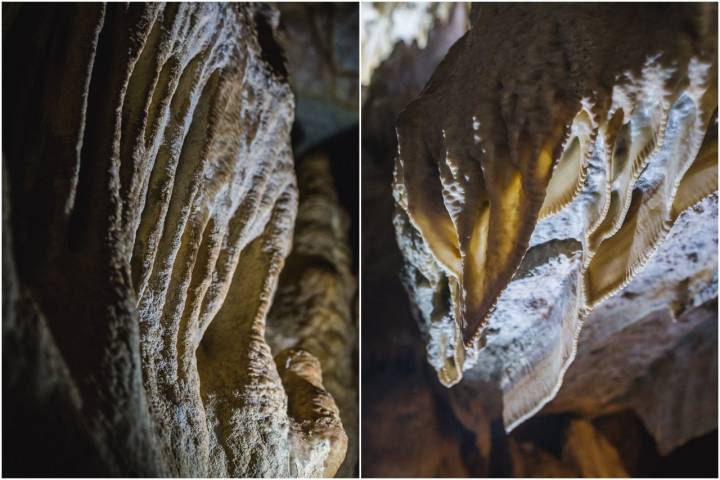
591 453
653 348
153 200
530 461
314 308
532 184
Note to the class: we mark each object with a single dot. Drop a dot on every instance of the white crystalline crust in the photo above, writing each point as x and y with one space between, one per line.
635 149
154 253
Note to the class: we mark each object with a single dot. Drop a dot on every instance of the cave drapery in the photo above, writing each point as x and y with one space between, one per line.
150 201
572 151
537 154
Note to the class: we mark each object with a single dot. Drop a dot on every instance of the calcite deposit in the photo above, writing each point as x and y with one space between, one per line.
640 396
537 173
314 305
149 204
660 331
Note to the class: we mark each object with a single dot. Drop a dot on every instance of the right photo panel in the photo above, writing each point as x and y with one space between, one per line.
539 240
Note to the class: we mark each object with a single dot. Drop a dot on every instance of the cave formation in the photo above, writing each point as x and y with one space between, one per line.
150 206
554 183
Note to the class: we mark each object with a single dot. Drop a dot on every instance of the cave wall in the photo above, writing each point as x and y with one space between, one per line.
576 332
150 200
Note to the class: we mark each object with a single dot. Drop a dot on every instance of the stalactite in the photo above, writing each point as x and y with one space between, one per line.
538 172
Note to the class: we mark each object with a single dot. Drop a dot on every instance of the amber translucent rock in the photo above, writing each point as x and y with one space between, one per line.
537 173
653 347
585 453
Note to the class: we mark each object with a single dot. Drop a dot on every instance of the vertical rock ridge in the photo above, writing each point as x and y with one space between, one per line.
148 262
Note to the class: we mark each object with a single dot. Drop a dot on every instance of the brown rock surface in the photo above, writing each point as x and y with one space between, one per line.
647 348
314 307
530 461
150 202
585 452
559 169
653 348
591 453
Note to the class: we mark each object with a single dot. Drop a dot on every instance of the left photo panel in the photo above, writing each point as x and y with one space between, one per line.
180 189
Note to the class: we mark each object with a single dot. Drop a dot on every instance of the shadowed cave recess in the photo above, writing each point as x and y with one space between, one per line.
179 280
539 231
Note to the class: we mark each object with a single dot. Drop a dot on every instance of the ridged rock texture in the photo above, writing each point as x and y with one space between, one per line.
404 432
536 175
149 205
661 331
314 305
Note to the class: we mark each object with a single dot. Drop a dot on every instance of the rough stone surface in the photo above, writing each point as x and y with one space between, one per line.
533 334
402 434
591 453
531 186
150 204
396 82
314 305
321 45
653 348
